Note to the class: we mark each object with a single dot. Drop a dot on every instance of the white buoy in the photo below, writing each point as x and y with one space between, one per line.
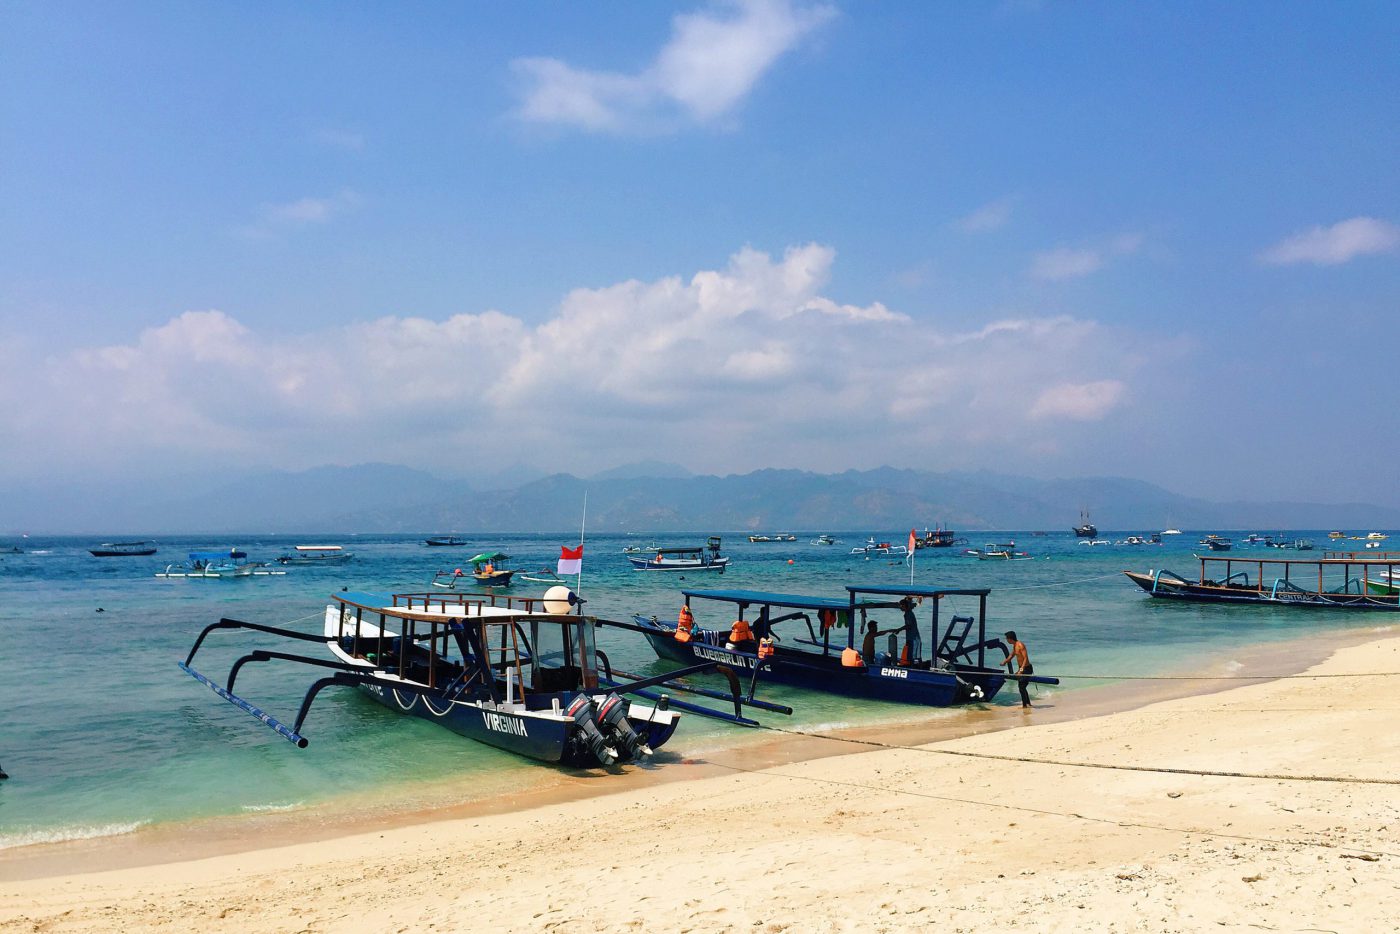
559 599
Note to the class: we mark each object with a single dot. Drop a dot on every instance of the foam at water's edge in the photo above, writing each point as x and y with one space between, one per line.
68 833
259 808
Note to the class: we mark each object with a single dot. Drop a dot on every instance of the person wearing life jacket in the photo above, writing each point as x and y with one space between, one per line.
685 624
741 638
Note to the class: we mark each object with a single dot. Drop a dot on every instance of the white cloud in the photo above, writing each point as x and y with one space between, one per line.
728 369
1084 402
712 61
302 212
990 216
1075 262
1331 246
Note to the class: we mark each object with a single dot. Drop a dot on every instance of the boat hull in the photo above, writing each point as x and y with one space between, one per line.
651 564
1171 589
826 673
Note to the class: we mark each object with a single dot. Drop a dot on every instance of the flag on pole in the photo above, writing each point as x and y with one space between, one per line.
913 541
570 560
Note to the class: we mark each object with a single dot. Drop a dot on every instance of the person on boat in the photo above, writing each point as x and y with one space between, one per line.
741 638
867 644
488 568
913 644
1023 664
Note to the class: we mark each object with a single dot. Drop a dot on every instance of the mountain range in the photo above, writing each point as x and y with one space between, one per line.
647 497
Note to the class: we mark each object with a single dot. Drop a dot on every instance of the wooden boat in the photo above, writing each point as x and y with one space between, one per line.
780 537
1218 543
522 675
823 540
218 564
938 538
316 555
872 547
444 541
995 552
1339 579
700 558
1085 528
815 642
488 569
123 550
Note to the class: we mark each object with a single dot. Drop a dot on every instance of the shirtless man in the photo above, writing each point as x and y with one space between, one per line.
1023 665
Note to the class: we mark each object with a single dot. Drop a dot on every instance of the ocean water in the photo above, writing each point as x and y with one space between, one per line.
103 734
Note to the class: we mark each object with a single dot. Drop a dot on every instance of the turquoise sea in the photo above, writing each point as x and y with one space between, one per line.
103 734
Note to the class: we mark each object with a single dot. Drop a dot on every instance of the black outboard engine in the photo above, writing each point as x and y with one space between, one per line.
581 709
612 716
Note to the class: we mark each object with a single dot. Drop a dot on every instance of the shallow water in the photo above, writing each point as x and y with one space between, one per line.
104 734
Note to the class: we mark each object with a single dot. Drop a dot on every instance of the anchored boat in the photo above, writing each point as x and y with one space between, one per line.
218 564
316 555
520 674
444 541
1339 579
938 538
872 547
488 569
700 558
812 642
122 550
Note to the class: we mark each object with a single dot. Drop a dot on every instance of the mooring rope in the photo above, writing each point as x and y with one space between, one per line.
1082 580
1068 814
1035 760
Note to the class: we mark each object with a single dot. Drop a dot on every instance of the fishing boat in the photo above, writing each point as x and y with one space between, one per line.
813 642
779 537
823 540
1085 528
455 579
316 555
872 547
444 541
640 549
999 552
938 537
123 550
1339 579
1095 541
488 569
218 564
521 674
1219 543
1336 535
706 557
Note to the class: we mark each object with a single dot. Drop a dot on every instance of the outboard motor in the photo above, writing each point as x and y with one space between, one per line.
581 710
612 715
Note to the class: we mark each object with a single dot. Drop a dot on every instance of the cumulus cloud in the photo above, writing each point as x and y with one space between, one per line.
1084 402
1064 263
711 62
1332 246
729 368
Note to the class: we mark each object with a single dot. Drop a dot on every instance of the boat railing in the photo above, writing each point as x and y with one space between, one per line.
467 600
1359 556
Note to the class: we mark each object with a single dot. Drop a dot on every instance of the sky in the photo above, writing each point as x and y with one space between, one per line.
1157 240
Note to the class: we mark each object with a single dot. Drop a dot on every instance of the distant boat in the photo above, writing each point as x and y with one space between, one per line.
823 540
11 550
872 547
1336 535
444 541
1085 528
218 564
639 549
123 550
699 558
995 552
1171 531
324 555
488 568
780 537
1219 544
940 537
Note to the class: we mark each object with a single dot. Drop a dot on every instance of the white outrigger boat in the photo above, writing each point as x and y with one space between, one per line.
317 555
520 674
218 564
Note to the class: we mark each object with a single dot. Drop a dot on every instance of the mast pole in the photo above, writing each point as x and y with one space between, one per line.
583 522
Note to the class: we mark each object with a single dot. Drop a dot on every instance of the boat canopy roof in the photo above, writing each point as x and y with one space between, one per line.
749 597
896 590
489 556
319 548
687 550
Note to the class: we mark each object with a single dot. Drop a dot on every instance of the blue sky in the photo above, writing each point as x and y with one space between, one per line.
1158 240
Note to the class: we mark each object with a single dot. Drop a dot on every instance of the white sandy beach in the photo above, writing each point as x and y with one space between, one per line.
882 840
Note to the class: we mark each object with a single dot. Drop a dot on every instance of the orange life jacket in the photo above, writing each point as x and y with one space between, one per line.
765 648
686 619
740 632
850 658
684 624
904 655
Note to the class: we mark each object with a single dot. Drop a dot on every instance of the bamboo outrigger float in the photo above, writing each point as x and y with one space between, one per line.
521 674
1339 579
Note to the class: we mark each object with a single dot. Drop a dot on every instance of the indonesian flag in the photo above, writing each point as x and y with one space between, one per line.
570 560
913 541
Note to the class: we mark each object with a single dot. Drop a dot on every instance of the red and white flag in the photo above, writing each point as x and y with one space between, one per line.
570 560
913 541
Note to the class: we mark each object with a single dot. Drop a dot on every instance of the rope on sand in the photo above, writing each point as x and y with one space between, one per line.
1163 770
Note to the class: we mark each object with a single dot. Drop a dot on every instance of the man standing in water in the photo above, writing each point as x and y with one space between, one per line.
1023 665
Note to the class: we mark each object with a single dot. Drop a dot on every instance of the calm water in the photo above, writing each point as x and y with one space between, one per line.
102 732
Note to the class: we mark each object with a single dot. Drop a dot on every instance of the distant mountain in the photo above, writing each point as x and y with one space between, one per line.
644 469
385 498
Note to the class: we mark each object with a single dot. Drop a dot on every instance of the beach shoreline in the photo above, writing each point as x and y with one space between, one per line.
253 838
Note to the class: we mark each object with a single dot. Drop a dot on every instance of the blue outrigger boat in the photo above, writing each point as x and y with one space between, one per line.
812 642
520 674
